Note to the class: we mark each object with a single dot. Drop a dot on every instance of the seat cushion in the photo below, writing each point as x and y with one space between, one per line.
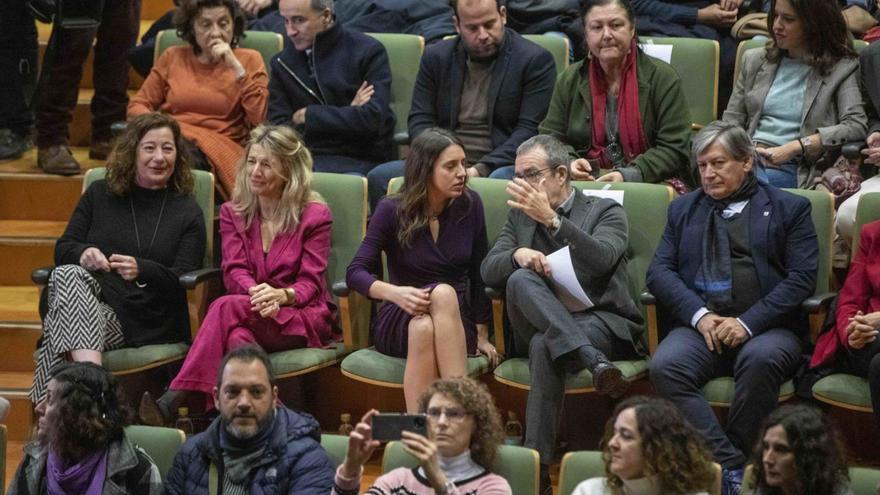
844 389
719 392
134 358
515 372
297 361
372 366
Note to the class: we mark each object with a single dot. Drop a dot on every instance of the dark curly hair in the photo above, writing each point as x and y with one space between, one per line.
673 450
122 164
89 410
186 14
819 455
476 400
825 34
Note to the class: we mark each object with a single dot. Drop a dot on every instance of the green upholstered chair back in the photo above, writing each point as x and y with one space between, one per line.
864 481
267 43
558 46
645 206
823 220
577 467
203 194
3 439
161 444
697 63
518 465
867 211
346 195
404 56
336 447
744 45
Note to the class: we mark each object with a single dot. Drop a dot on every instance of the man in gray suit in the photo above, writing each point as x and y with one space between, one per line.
548 214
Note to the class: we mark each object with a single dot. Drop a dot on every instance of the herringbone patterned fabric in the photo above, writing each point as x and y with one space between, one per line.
76 319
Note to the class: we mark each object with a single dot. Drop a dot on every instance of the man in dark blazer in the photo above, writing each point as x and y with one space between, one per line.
333 85
735 263
547 215
489 85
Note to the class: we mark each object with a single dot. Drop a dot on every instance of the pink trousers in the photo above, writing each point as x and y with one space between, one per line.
230 323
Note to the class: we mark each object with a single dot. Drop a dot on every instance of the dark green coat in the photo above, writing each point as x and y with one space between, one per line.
665 118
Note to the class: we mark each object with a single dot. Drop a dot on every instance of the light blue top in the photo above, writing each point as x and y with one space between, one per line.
781 115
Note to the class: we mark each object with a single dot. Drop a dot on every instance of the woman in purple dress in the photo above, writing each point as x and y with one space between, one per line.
433 233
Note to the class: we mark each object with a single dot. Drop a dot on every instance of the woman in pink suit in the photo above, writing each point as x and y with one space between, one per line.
852 345
276 242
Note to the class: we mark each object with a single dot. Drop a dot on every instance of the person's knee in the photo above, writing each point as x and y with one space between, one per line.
239 337
444 297
521 280
421 331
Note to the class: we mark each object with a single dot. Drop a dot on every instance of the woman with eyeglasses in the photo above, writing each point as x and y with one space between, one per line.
464 431
619 109
433 234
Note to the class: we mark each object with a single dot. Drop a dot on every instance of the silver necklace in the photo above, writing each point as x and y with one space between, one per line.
137 234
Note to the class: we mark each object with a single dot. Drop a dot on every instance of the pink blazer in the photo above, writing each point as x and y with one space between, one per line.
861 291
295 259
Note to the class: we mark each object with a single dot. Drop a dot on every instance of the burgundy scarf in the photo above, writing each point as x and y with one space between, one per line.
629 118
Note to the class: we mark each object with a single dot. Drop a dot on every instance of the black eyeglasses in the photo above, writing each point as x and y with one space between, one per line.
531 176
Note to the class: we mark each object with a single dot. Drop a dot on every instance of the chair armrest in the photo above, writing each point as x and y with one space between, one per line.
647 299
401 138
650 303
494 293
853 150
340 288
40 276
814 304
191 279
117 128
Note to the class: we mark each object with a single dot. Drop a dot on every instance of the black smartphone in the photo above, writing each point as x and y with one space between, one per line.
388 426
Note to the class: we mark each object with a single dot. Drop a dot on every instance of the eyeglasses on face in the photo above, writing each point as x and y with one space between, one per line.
453 414
532 175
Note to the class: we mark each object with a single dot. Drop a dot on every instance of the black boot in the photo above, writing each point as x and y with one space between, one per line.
607 378
160 412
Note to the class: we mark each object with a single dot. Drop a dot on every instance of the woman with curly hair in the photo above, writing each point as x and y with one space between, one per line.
799 454
464 431
127 243
216 90
649 448
433 233
81 445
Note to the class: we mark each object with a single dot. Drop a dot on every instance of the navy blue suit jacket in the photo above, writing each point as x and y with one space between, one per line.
343 60
519 94
785 252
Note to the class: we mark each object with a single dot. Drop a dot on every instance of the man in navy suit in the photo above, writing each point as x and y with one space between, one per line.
490 86
735 263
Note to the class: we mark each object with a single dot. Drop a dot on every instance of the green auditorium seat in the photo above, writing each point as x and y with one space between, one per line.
558 46
161 444
267 43
336 447
404 56
748 44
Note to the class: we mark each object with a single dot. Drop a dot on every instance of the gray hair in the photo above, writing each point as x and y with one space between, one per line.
320 5
732 137
557 153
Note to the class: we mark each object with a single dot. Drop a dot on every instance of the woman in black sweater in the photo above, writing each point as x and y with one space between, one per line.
118 262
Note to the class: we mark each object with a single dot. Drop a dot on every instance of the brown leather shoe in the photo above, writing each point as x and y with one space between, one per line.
100 150
57 160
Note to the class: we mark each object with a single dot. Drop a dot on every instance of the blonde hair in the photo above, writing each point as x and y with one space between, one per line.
283 143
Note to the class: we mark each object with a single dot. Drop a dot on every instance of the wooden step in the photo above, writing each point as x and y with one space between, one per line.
19 340
31 243
154 9
14 386
26 193
45 30
18 305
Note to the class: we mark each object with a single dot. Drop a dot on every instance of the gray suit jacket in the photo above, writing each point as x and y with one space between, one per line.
833 104
597 235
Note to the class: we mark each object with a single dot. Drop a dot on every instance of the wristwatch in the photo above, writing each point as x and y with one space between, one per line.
555 223
289 295
806 142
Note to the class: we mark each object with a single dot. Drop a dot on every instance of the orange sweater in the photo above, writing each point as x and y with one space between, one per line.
213 109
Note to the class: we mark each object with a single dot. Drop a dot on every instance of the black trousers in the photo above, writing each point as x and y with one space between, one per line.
18 65
866 362
117 33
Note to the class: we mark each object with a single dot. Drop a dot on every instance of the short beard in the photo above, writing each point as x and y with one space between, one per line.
238 434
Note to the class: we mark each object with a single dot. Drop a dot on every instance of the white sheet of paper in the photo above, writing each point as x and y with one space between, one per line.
605 193
663 52
565 282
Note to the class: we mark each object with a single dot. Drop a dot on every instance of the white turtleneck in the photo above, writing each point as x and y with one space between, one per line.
457 468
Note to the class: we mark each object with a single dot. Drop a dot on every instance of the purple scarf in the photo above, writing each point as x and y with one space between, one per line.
83 478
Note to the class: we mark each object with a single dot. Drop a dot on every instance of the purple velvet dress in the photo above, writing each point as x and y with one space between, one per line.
454 259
